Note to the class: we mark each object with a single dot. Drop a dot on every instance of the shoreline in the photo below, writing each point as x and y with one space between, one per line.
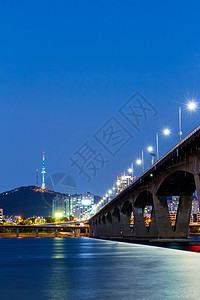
40 235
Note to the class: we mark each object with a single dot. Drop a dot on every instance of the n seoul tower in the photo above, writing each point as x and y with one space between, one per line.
43 172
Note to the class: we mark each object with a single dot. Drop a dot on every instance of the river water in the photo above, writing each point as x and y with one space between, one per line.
83 268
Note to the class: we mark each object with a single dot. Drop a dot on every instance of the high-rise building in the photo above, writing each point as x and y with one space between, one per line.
58 206
78 206
43 172
195 205
123 181
1 214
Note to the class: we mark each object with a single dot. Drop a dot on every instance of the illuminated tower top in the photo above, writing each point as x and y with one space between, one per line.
43 172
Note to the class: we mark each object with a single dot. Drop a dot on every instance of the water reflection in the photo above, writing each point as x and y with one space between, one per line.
82 268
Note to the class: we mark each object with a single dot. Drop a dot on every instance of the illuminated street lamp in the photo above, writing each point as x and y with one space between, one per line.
191 106
130 170
150 150
114 190
139 162
109 193
165 132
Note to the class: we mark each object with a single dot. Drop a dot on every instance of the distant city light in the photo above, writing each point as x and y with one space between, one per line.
86 201
58 215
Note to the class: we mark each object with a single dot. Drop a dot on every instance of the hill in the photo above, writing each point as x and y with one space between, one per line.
27 201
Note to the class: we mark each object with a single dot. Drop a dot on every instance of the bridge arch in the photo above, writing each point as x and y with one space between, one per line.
116 222
109 217
179 183
116 214
103 219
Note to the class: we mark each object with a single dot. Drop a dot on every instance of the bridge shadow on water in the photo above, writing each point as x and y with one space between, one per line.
180 246
191 245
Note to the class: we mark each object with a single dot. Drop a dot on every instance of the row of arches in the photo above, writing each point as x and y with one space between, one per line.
146 213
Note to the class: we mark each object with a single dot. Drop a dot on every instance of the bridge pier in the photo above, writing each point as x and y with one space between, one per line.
56 232
36 232
139 225
92 229
116 226
109 226
95 230
153 230
99 227
197 184
17 232
162 217
183 216
104 229
182 219
125 223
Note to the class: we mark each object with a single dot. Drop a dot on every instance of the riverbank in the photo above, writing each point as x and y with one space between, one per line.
42 235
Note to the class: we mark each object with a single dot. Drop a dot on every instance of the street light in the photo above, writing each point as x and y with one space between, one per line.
165 132
150 150
191 105
140 162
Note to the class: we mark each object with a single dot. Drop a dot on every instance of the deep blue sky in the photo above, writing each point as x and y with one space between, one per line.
66 67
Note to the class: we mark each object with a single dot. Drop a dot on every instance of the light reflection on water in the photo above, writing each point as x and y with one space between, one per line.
82 268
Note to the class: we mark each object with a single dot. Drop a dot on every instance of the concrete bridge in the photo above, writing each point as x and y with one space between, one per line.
177 173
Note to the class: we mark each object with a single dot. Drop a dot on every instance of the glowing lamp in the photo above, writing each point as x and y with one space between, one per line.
58 215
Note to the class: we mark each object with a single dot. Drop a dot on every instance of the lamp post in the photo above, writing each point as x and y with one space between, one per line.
150 150
142 160
192 105
114 190
139 162
166 132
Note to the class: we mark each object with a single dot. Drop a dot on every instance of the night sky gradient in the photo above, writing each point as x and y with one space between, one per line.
66 67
